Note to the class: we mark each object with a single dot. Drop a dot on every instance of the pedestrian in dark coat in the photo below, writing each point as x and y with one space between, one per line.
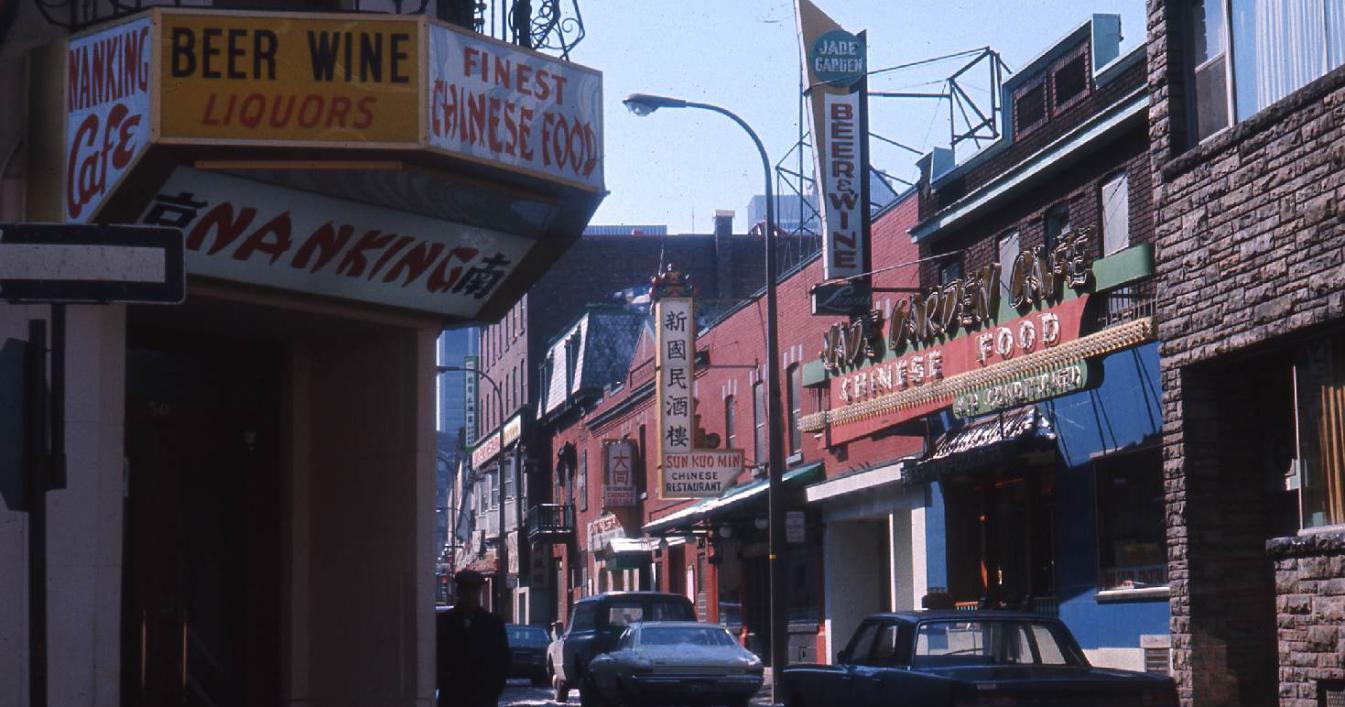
473 659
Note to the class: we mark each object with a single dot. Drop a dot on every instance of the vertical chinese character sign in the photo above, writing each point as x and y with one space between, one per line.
684 471
619 459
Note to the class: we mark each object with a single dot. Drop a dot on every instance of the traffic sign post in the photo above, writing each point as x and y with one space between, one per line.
61 264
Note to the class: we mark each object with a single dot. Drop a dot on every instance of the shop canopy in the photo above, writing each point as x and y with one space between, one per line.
985 442
628 553
736 499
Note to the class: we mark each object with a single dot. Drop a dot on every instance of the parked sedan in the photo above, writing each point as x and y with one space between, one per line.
955 658
673 662
527 652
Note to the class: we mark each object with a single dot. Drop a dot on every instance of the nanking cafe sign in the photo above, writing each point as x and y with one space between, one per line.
176 76
952 347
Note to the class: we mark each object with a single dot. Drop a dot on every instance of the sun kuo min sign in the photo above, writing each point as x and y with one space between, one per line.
685 471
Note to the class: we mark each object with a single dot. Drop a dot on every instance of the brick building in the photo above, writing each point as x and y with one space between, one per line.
714 550
597 269
1247 140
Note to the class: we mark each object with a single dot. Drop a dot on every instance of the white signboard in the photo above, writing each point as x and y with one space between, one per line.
619 491
843 177
487 449
676 351
107 121
701 472
496 103
245 231
602 529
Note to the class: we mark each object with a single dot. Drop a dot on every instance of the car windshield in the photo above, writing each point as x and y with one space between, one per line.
993 642
527 636
684 636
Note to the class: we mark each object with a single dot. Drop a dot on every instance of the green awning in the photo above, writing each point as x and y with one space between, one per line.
733 500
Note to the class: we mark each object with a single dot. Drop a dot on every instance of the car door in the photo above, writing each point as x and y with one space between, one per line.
877 675
578 640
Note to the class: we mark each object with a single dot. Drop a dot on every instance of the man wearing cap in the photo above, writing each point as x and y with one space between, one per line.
473 649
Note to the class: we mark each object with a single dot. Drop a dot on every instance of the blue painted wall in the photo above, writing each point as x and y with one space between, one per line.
936 545
1123 411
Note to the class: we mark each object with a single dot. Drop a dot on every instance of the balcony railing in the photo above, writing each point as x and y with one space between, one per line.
551 522
554 26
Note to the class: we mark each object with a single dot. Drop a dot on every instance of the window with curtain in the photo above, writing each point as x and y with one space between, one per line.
1320 377
759 452
795 376
583 480
1055 223
1115 214
1278 47
1007 252
730 423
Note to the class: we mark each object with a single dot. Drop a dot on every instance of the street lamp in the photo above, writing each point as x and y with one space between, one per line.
643 104
502 547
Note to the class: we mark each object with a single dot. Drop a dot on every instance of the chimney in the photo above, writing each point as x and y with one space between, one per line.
723 223
723 253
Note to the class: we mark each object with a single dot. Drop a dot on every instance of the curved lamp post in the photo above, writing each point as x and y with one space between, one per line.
643 104
502 552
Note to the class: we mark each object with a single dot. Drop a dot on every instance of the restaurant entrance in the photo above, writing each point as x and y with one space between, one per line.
202 542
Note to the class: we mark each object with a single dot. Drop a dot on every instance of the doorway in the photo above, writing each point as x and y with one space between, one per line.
203 542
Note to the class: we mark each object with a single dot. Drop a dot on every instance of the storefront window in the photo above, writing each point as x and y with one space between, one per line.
795 408
803 563
1131 549
759 413
1320 378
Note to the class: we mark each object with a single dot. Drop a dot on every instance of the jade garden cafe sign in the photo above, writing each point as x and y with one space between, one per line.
951 346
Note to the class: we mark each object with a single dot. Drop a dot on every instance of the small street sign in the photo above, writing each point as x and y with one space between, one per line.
91 264
794 527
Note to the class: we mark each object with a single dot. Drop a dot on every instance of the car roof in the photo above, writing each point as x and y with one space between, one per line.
656 595
974 615
675 624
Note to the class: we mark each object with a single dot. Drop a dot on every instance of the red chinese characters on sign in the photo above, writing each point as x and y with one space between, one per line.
246 231
522 110
979 349
107 113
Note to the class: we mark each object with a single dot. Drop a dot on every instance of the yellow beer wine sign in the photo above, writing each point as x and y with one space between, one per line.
310 78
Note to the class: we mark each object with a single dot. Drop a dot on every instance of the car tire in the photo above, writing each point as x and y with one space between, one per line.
588 695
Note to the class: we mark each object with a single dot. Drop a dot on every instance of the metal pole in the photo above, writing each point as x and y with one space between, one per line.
38 463
774 416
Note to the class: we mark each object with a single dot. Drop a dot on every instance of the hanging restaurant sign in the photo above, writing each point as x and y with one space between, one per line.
619 459
193 77
684 470
107 119
285 77
834 64
263 234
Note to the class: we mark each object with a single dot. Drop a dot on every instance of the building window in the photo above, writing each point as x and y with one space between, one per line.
1115 214
1131 552
759 451
730 423
583 480
1029 108
640 465
1319 374
950 271
1007 252
1055 223
1278 47
1069 79
795 375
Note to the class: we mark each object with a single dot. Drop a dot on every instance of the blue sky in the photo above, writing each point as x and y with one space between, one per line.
676 167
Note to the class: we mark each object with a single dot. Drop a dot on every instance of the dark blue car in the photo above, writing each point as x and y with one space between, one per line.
968 659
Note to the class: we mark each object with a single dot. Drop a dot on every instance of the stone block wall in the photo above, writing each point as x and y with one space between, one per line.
1310 603
1250 246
